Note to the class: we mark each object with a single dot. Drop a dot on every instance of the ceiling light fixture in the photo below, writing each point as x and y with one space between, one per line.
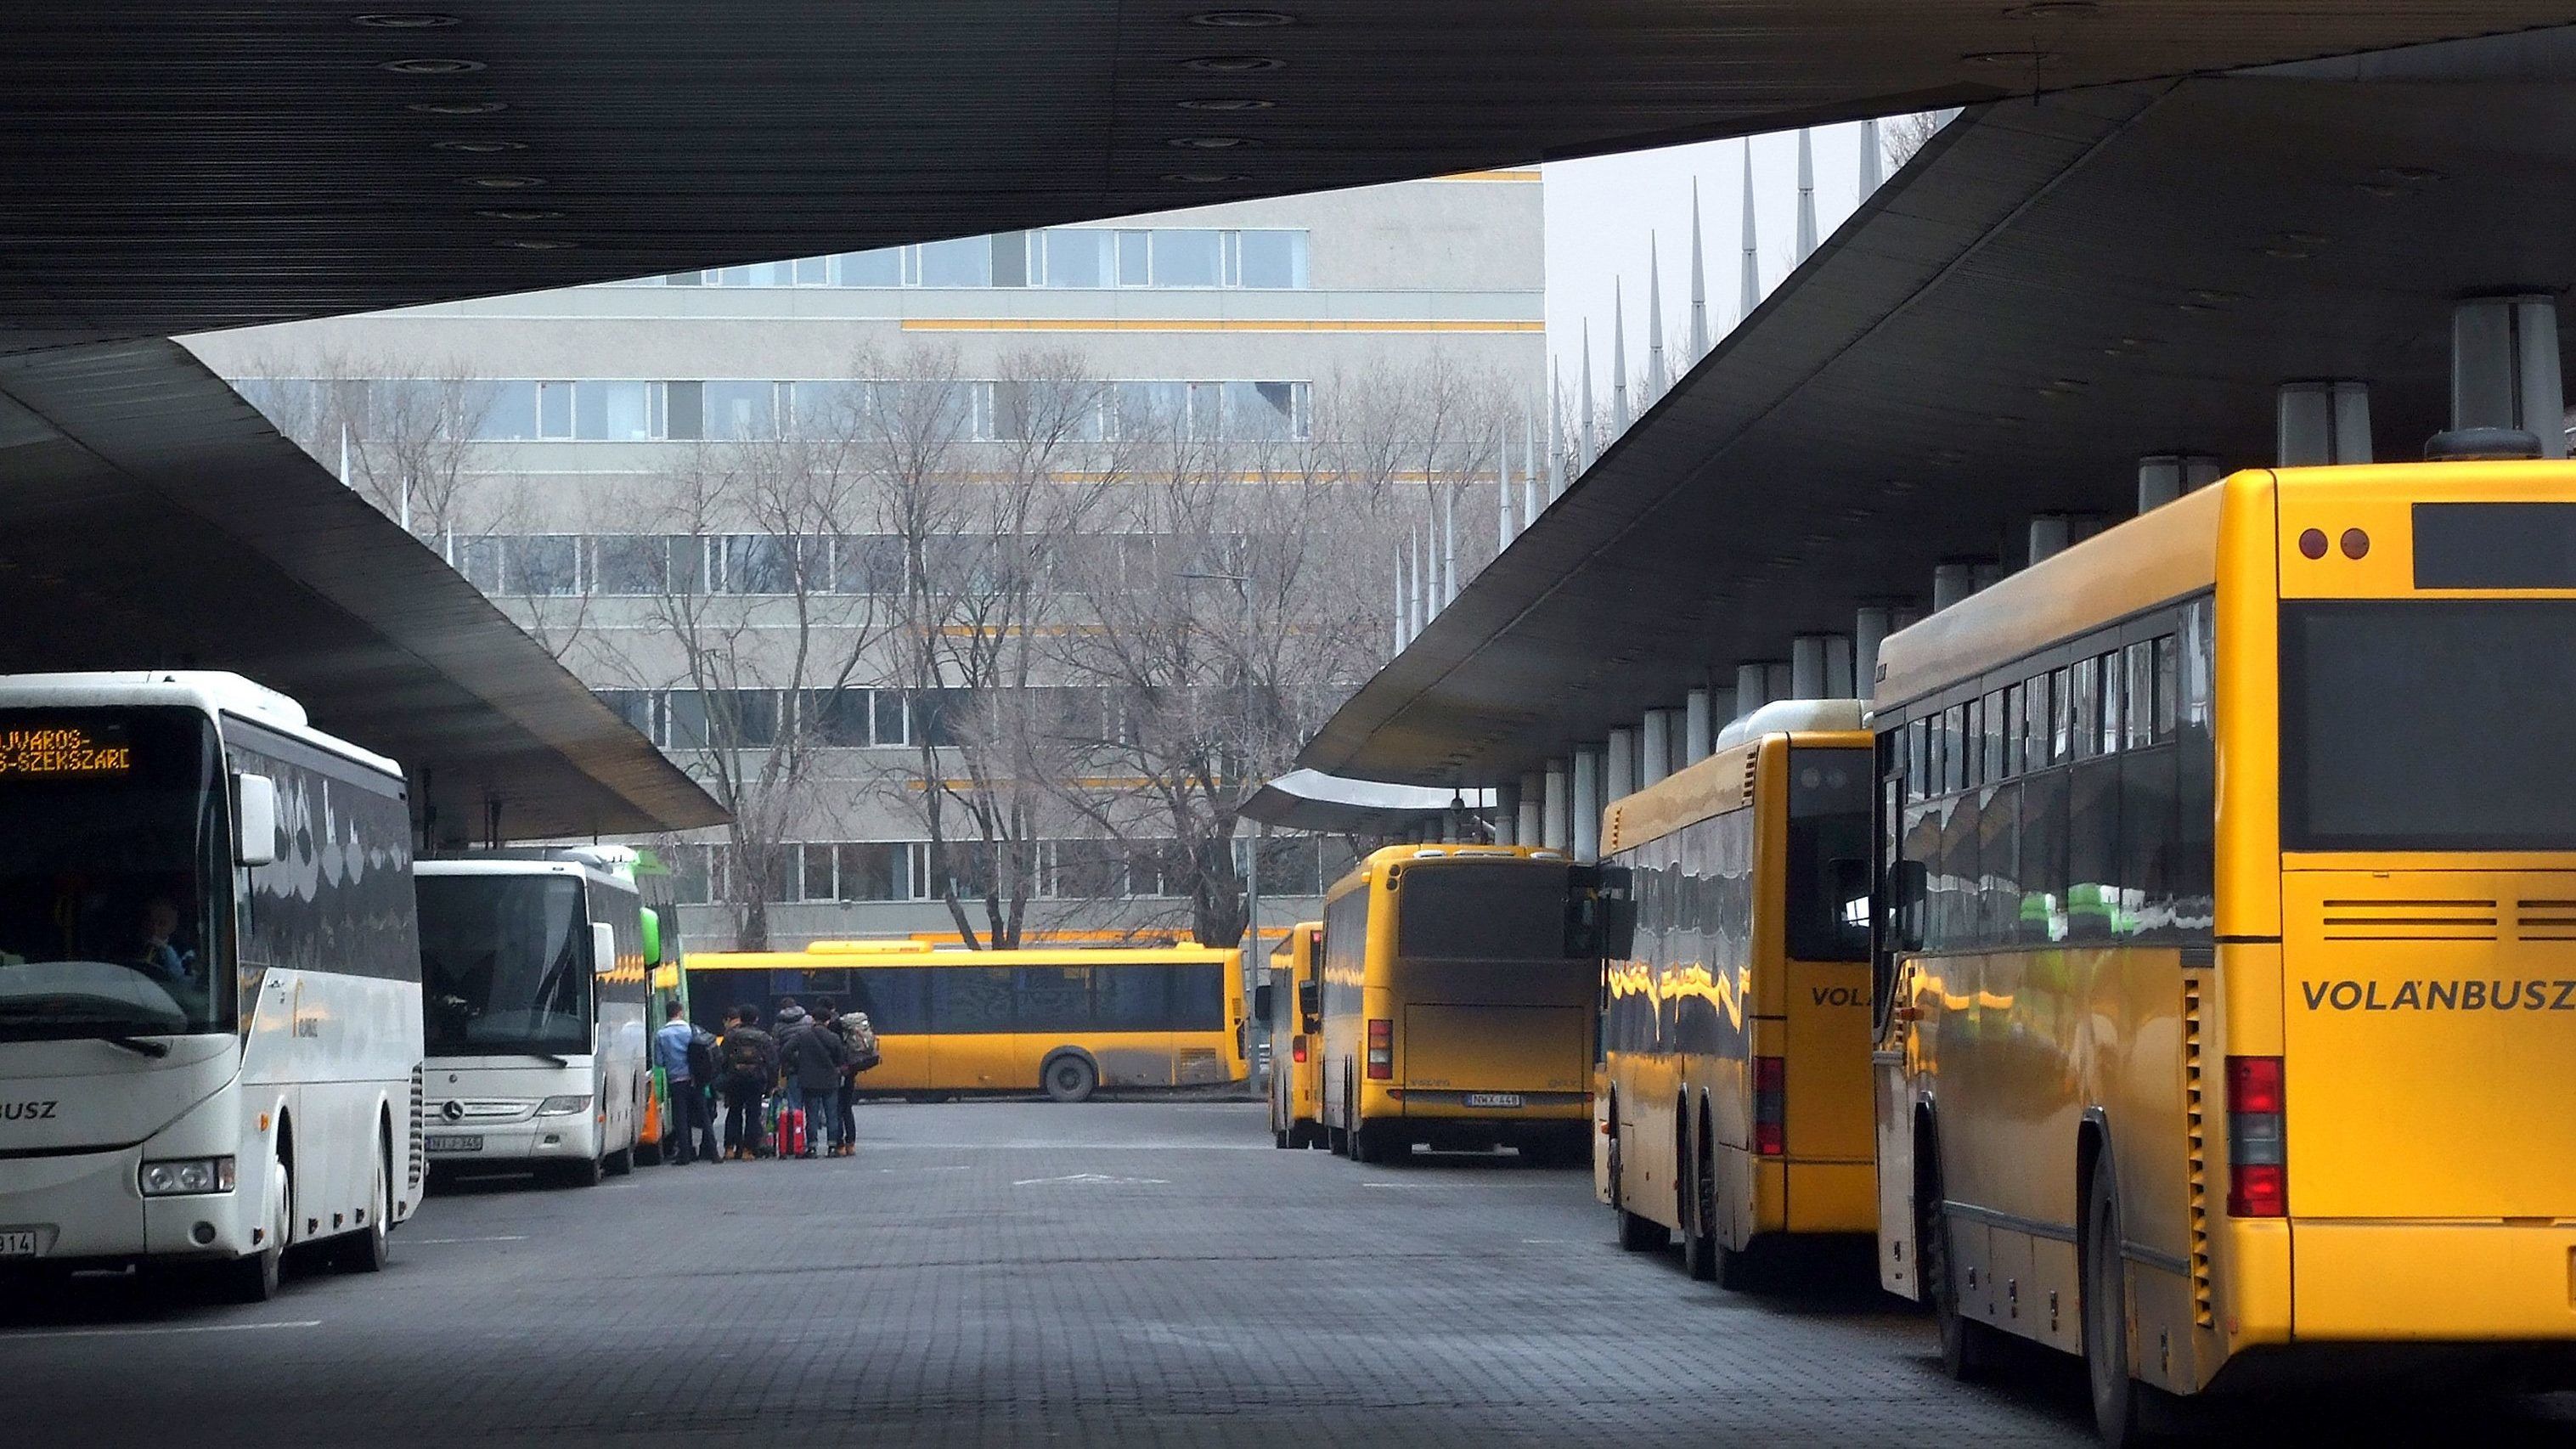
1234 64
1204 178
480 148
422 21
2011 57
505 183
518 213
2214 295
430 65
535 244
2410 175
1243 19
457 108
2053 9
1225 103
1211 143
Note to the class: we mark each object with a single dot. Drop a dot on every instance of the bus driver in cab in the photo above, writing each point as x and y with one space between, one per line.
158 954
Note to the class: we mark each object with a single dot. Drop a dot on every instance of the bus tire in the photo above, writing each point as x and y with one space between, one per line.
618 1163
254 1279
366 1250
1069 1078
1370 1148
1702 1256
1969 1348
2126 1413
1279 1138
1637 1232
584 1173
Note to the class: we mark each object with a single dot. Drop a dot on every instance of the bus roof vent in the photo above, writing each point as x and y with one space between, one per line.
2471 445
1781 716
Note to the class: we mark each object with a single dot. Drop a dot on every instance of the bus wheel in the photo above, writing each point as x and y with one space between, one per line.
1701 1254
584 1173
2124 1410
365 1250
1637 1233
619 1163
1069 1078
1968 1347
254 1279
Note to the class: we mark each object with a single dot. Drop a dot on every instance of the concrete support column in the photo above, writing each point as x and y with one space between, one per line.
1532 797
1655 746
1619 766
1587 802
1906 617
2504 368
2050 533
1507 815
1556 811
2164 477
1820 666
1870 628
1777 681
1752 688
2317 423
1699 726
1952 582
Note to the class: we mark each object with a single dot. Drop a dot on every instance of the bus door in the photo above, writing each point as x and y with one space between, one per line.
897 1001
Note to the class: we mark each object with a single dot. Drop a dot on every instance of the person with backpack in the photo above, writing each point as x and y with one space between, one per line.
675 1051
705 1058
810 1058
750 1059
859 1040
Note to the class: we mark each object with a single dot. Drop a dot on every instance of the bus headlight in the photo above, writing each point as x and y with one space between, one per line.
182 1176
563 1106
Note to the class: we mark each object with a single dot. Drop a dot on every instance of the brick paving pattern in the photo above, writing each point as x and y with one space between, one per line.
1033 1274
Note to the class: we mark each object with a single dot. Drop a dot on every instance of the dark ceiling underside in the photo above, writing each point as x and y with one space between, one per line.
152 519
169 166
2048 292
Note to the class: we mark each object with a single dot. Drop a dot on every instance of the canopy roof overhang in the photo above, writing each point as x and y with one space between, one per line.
150 518
2046 293
170 168
1326 804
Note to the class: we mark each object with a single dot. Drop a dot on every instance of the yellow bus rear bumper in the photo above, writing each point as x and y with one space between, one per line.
2429 1282
1830 1197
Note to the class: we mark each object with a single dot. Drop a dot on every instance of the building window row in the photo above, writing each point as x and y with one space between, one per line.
1072 258
918 870
738 410
654 565
866 716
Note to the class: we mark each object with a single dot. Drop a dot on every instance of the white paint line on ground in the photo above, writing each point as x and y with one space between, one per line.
1094 1177
442 1242
167 1329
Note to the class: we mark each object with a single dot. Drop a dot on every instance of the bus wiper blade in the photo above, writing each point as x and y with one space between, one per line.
139 1046
551 1057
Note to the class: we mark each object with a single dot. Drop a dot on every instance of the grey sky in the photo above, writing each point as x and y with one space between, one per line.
1600 214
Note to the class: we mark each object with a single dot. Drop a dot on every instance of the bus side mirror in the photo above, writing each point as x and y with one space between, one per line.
1309 1003
603 947
1261 1003
652 920
1911 886
255 815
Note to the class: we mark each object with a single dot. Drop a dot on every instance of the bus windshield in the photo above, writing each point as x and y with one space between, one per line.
2427 725
504 965
113 859
1482 910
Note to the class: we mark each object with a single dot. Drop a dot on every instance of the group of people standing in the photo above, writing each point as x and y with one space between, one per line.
809 1066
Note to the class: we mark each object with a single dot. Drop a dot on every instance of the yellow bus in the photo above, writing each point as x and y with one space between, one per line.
1063 1020
1460 991
2228 925
1736 1028
1290 1003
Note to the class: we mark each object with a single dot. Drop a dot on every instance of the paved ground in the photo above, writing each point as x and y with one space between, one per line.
1118 1273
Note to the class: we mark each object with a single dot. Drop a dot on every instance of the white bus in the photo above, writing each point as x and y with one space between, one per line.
210 1038
533 993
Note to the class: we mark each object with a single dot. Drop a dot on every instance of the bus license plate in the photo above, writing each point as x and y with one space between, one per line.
1493 1099
452 1144
17 1243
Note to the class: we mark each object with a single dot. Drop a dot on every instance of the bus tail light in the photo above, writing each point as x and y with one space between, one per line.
1297 1048
2258 1172
1770 1106
1381 1050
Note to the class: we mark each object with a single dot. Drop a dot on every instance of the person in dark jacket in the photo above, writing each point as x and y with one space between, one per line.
750 1060
845 1117
810 1058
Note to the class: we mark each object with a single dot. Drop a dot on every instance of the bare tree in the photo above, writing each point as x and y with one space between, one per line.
401 435
1904 135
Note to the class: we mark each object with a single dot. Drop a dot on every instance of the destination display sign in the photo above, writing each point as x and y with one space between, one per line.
61 751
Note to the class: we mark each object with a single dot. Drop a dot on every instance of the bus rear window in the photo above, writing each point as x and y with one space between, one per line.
1827 909
2428 725
1476 910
